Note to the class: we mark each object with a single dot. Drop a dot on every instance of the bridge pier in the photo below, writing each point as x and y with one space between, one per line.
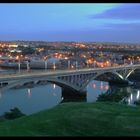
73 96
118 82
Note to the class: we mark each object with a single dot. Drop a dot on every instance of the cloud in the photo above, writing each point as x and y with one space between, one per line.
123 12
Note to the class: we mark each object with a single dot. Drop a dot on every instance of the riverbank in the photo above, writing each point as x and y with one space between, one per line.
77 119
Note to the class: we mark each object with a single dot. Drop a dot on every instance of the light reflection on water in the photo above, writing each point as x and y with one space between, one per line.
95 88
138 94
32 100
134 96
29 92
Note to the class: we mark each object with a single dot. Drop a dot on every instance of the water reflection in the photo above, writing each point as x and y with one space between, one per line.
138 95
95 88
129 101
53 86
41 97
29 92
54 91
69 95
106 87
134 94
101 86
54 94
0 94
131 97
62 98
94 85
50 95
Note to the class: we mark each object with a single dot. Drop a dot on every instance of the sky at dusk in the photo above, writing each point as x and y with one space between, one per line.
106 22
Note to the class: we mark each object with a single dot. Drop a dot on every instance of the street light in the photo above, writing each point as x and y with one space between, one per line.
94 63
28 68
54 67
107 63
45 64
133 59
18 58
76 63
19 66
68 64
124 61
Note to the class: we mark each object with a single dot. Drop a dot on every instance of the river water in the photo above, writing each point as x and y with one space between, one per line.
37 98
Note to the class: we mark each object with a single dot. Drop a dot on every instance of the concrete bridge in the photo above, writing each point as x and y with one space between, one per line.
75 80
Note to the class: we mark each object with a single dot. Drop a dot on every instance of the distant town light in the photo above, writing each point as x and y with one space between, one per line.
17 57
107 62
54 66
72 66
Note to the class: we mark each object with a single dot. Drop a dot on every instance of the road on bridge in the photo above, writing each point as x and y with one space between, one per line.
63 72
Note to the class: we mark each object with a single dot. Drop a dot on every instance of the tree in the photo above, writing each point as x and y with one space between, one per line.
14 113
27 50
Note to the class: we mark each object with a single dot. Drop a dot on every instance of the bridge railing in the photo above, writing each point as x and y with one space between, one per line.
24 72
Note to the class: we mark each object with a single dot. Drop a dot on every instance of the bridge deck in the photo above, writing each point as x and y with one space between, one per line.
62 72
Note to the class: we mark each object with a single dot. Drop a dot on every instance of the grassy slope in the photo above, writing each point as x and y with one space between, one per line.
77 119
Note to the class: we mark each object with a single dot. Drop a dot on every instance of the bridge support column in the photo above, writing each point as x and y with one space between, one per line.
73 96
68 79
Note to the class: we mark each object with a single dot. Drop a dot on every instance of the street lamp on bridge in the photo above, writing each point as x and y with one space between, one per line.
133 59
76 64
54 66
94 63
28 68
68 64
18 58
46 64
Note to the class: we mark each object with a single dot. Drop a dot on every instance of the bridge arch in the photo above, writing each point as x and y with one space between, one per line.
129 73
101 73
61 83
53 77
65 85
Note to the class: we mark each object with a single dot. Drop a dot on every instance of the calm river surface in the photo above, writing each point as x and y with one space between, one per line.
35 99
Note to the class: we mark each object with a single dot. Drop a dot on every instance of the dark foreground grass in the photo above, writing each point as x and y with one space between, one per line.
77 119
